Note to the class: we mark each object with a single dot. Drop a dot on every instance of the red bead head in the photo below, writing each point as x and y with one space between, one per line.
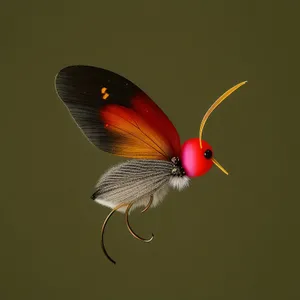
196 161
196 154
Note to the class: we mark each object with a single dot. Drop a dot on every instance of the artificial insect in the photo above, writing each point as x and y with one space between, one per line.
118 117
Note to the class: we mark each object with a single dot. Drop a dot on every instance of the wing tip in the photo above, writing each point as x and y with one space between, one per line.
67 73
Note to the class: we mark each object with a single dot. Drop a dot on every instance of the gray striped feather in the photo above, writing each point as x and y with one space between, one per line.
134 180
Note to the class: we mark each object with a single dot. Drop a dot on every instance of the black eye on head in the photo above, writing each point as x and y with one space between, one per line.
208 154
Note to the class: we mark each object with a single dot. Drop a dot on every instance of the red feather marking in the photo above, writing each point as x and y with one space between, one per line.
139 137
157 119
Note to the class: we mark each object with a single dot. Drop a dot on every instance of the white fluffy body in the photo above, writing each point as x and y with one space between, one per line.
178 183
137 180
158 197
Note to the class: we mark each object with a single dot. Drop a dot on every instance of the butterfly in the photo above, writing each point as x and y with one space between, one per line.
119 118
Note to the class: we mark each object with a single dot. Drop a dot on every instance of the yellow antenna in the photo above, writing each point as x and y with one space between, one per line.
208 113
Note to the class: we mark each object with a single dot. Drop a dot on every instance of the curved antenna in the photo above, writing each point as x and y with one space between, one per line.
103 229
214 106
129 227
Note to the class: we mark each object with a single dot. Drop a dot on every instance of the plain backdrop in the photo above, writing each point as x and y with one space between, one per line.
226 237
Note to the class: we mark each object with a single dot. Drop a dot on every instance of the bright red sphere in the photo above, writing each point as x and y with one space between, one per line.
192 157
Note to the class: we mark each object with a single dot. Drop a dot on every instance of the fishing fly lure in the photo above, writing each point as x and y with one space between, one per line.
118 117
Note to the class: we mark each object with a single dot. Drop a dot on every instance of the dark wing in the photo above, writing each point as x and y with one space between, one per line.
116 115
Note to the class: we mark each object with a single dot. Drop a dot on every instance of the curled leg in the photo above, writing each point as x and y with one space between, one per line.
129 227
103 229
148 205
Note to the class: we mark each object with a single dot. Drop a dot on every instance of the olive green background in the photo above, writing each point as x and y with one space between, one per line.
226 237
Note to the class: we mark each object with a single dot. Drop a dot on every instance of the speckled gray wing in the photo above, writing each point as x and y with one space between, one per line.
134 180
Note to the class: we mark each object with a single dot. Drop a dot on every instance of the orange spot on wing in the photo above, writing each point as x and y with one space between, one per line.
105 96
103 92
